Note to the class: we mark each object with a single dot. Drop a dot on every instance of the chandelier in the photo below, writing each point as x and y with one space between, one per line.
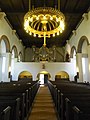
44 22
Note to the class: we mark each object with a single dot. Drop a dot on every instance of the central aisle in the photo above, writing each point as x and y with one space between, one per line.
43 107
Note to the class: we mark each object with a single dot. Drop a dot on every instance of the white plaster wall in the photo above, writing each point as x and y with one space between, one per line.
6 30
82 30
34 68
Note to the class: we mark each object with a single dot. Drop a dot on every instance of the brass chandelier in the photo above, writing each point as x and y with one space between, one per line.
44 22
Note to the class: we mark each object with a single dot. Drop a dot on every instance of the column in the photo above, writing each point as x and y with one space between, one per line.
8 67
73 61
1 60
79 66
89 62
14 60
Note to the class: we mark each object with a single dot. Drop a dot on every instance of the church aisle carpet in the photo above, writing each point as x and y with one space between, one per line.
43 107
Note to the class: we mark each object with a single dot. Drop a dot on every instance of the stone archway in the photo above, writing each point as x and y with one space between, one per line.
4 58
82 59
25 75
20 57
13 59
62 75
82 39
15 51
73 59
73 49
7 43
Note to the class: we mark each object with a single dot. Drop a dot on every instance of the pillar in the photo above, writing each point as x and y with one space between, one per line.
79 67
89 61
14 60
1 60
8 67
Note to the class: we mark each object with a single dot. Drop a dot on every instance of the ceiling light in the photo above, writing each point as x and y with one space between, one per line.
44 21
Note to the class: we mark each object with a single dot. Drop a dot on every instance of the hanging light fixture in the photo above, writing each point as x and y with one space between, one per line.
44 22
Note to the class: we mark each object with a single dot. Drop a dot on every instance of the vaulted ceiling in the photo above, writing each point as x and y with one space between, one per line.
72 9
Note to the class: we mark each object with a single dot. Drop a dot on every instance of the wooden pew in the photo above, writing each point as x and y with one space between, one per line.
78 101
5 112
25 90
66 89
80 115
14 104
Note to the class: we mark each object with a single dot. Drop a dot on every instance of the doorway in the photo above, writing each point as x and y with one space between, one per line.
41 79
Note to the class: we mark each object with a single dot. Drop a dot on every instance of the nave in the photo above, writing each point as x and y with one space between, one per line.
43 106
59 100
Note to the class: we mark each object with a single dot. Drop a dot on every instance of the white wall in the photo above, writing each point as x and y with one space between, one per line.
82 30
52 68
6 30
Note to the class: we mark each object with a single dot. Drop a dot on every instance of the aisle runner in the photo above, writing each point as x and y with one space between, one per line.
43 108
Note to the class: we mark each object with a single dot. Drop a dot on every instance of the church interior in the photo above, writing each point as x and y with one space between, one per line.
44 59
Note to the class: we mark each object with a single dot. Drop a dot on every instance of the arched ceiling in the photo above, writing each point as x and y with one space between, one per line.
72 9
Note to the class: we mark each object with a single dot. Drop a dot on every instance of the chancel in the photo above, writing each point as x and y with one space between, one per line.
44 60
